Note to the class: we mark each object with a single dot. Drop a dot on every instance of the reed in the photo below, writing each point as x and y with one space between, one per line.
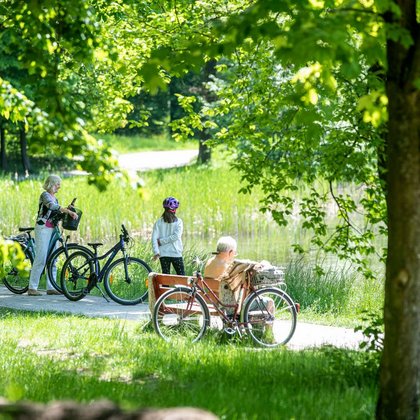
337 290
210 207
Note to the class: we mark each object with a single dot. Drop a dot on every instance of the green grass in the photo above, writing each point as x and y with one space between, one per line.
338 296
128 144
48 357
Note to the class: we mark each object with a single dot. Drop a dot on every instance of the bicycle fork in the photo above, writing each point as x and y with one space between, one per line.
127 277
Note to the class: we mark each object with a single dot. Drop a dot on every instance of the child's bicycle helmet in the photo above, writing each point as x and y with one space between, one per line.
170 203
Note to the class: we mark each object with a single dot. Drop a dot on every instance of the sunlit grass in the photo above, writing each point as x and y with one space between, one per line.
49 357
337 296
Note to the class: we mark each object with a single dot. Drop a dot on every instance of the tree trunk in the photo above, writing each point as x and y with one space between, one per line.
204 151
400 369
24 150
3 154
171 106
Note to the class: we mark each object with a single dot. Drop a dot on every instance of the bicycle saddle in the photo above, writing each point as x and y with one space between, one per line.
95 245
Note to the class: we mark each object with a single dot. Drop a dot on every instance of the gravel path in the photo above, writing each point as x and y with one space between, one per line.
306 335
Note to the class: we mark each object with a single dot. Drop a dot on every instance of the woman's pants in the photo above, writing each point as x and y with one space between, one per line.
177 262
42 241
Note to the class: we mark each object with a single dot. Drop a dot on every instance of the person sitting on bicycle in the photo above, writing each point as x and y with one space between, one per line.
48 209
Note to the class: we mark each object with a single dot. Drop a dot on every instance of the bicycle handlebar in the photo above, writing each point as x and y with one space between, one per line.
125 233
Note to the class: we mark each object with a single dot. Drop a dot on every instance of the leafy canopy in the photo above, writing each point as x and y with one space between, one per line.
301 100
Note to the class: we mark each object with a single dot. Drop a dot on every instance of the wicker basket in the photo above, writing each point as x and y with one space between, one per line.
271 276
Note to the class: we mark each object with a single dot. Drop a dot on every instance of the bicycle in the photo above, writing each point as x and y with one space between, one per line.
19 284
267 314
125 279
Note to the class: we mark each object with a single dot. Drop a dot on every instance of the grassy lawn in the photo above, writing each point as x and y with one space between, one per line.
48 357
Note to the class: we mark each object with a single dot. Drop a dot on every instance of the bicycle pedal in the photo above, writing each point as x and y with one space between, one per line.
230 331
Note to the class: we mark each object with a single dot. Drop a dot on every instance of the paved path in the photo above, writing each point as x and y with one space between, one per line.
306 335
143 161
90 306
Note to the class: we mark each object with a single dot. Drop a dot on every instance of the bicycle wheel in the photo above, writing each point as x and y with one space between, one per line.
270 317
75 275
14 281
180 314
57 259
127 283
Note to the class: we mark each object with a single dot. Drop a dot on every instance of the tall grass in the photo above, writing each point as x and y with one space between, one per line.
50 357
337 294
327 291
210 206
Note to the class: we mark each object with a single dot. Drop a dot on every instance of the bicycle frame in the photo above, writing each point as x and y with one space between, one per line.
120 246
216 302
29 244
55 237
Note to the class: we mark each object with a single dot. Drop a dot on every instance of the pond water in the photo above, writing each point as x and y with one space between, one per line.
274 245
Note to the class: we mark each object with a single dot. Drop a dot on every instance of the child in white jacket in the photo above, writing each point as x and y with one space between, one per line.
166 238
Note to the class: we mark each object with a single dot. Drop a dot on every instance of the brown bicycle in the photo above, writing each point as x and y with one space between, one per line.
267 314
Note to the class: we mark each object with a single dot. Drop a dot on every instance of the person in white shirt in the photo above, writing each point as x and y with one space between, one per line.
166 238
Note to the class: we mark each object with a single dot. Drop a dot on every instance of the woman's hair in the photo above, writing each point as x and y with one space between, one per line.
168 216
51 181
226 243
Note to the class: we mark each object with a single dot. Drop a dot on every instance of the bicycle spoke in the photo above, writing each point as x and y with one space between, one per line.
56 262
75 275
126 281
15 282
270 317
179 315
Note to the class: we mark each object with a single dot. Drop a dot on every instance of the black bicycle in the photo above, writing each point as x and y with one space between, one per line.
125 279
57 255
